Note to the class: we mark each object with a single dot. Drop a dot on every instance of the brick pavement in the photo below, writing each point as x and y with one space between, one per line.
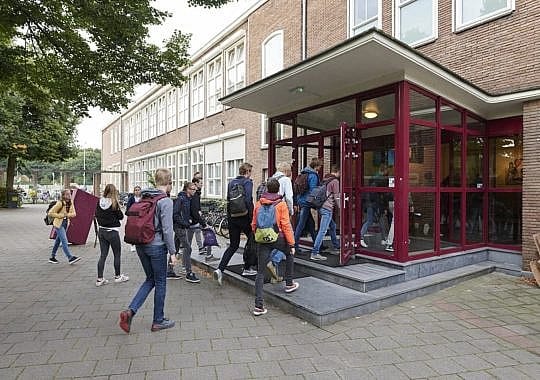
54 323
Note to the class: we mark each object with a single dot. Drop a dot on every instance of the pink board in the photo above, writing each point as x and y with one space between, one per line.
85 206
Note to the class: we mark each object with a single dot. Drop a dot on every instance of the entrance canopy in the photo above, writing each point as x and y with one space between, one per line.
367 61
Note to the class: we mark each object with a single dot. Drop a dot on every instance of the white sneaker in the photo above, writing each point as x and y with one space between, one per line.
384 242
389 248
218 276
133 249
102 282
363 243
249 272
121 278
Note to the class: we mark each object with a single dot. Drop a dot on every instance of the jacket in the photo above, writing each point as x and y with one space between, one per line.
195 209
283 220
182 211
313 182
131 200
59 212
106 216
248 189
163 222
332 190
285 190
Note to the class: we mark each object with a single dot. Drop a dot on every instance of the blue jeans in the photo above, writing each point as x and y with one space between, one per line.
305 213
368 222
326 223
154 262
61 238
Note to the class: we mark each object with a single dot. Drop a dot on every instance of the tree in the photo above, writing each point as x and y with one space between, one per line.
87 161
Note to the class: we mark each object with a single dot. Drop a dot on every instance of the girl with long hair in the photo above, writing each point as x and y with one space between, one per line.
62 212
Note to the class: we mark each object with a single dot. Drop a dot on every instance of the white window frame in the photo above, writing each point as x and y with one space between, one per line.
183 104
171 110
264 131
162 117
235 67
152 121
197 160
458 25
264 69
397 22
213 179
357 29
197 95
232 167
132 131
183 166
144 124
138 128
214 85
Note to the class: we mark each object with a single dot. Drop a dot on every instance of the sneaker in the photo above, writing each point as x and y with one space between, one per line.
121 278
291 288
133 249
218 276
53 260
182 271
260 311
389 248
272 270
190 277
101 282
363 243
125 320
249 272
318 257
165 324
74 259
211 258
173 276
202 251
384 242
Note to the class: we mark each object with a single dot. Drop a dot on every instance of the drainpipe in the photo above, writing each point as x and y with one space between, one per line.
304 30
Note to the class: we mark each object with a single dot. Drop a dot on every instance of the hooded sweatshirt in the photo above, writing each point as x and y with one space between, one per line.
283 220
332 190
106 216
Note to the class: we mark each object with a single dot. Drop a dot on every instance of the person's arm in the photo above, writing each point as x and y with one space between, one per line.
166 219
119 213
313 181
248 188
288 194
334 190
55 210
254 218
284 223
72 214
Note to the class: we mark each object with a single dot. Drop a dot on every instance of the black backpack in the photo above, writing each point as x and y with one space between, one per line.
318 195
301 185
262 187
49 219
236 200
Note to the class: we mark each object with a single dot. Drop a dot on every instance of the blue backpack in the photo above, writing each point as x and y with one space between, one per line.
267 230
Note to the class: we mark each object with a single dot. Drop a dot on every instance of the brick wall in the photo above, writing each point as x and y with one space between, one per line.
531 180
327 24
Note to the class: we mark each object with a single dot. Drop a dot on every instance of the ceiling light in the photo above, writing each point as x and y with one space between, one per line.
371 111
297 90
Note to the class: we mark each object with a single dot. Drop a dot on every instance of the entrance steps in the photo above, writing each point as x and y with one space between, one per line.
331 294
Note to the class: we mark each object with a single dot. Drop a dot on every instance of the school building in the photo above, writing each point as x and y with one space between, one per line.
442 94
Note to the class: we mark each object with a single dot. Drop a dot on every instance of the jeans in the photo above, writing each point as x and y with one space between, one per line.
109 239
154 262
326 223
370 213
236 227
61 238
184 242
264 256
304 219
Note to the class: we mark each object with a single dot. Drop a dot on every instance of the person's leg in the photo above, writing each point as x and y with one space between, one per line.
199 238
251 261
390 239
326 218
368 222
333 235
116 245
56 244
185 244
104 249
158 260
234 238
302 218
61 233
263 256
310 225
148 284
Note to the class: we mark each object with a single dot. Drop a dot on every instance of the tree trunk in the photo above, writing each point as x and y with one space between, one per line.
10 172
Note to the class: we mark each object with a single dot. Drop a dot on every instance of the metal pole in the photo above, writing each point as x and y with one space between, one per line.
84 168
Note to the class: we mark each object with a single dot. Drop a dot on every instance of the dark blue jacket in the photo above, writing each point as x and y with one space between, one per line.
313 182
182 211
248 188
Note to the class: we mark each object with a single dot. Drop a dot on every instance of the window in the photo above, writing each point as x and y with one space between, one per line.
416 21
232 169
138 128
161 115
197 160
364 14
235 68
113 140
131 131
214 84
183 105
279 131
197 96
183 159
152 120
473 12
144 126
171 110
171 165
213 179
272 54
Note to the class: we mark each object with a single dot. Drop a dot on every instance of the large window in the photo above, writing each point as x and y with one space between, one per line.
171 110
183 105
197 160
213 86
171 165
138 128
162 106
213 179
272 54
144 126
197 96
183 162
152 121
468 13
416 21
364 14
236 68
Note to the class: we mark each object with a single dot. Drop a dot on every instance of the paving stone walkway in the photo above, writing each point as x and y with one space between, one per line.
55 323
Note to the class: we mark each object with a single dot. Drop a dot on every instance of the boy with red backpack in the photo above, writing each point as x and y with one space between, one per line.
272 228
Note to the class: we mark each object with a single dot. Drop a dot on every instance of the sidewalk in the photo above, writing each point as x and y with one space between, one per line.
55 323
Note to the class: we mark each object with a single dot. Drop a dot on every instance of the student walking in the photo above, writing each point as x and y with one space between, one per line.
153 257
134 198
62 212
284 243
239 214
198 222
109 215
305 218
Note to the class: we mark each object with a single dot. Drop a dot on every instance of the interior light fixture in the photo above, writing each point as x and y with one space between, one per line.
371 111
297 90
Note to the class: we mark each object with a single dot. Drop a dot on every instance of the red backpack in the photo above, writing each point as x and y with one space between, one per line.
140 227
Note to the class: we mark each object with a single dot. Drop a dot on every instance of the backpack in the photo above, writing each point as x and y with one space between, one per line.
318 195
301 185
140 227
266 231
236 200
262 187
49 219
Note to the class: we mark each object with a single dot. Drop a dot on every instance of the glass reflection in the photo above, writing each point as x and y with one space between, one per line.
451 223
505 218
421 222
475 204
